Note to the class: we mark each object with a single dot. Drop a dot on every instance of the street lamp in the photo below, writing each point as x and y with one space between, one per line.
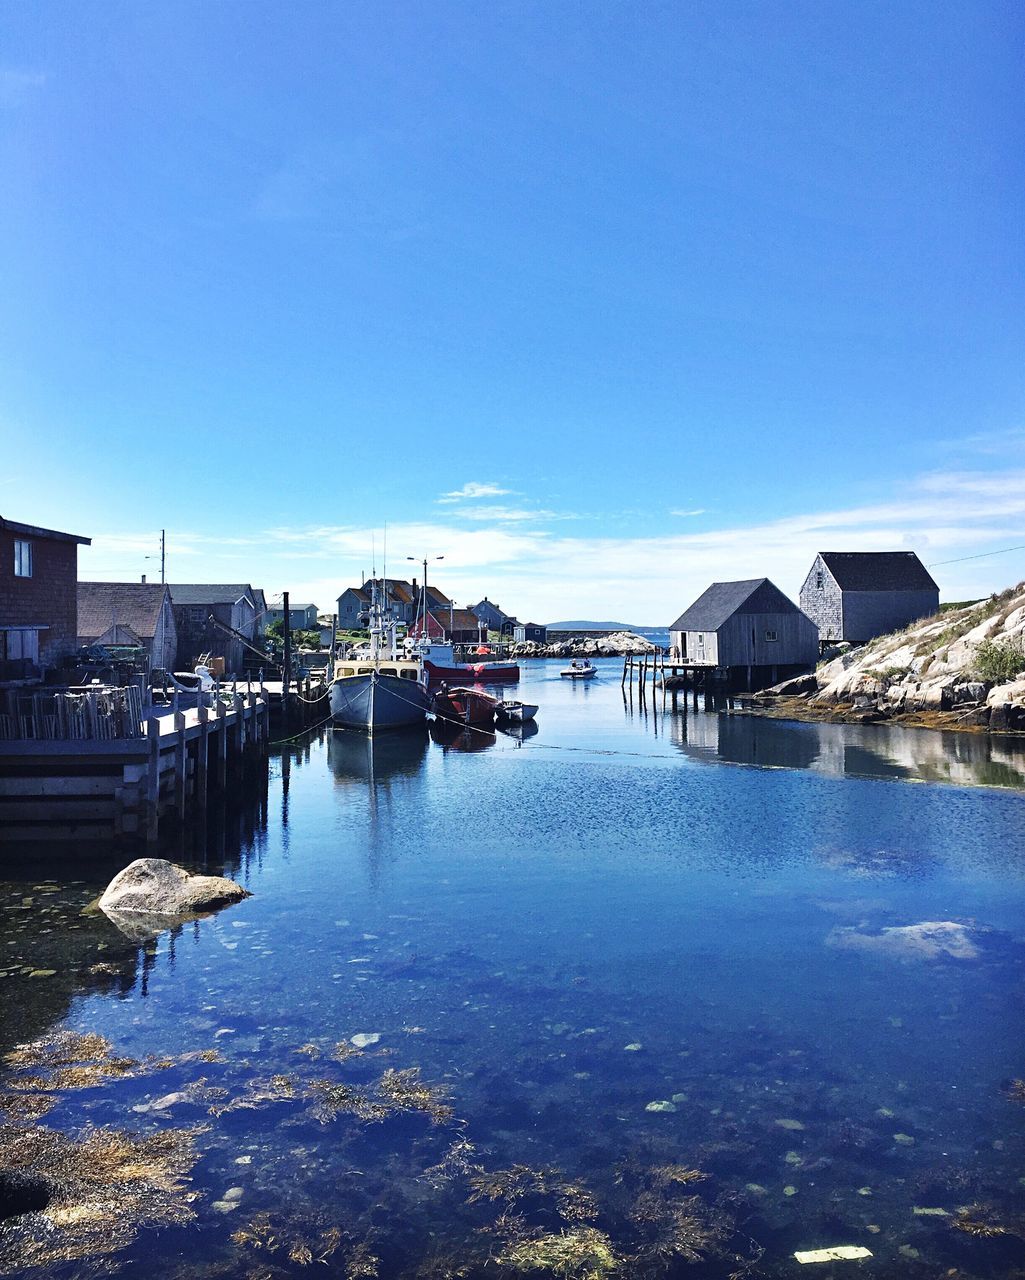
423 588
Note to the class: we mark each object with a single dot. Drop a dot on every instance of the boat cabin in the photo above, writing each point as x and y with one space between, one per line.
347 667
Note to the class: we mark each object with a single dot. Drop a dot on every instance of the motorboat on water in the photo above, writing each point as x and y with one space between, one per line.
580 669
465 706
383 688
515 712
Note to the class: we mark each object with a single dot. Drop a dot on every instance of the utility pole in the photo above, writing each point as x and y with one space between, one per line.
163 548
286 675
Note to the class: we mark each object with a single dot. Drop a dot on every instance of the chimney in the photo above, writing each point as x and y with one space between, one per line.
143 579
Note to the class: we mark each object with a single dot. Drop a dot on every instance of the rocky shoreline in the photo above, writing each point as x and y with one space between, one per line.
963 670
619 644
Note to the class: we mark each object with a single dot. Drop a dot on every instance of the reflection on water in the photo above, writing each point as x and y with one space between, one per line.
466 738
362 758
867 751
687 1019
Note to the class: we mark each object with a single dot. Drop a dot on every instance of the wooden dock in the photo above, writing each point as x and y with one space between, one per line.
127 789
668 675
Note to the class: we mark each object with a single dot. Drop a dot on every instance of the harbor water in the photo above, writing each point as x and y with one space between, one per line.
646 990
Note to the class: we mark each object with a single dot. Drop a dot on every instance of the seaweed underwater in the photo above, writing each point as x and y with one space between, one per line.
422 1199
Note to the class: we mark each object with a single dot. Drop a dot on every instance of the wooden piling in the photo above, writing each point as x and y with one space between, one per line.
180 773
222 748
202 781
153 780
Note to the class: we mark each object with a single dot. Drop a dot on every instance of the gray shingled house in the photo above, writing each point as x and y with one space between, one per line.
138 613
855 595
749 629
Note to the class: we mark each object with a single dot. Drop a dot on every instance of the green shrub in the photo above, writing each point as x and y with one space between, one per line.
997 661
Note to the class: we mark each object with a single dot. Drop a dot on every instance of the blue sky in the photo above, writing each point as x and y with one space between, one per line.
600 301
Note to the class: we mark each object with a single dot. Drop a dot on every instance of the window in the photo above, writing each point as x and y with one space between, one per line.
15 645
819 581
23 559
701 639
771 636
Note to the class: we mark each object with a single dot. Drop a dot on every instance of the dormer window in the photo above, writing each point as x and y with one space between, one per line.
22 559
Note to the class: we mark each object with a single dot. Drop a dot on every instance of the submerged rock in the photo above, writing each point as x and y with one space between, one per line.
141 898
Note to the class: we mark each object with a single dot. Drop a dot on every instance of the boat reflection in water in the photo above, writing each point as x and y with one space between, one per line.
457 737
519 732
357 757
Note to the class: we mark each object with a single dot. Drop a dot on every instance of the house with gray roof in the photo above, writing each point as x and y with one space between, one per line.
199 606
301 617
137 613
855 595
748 629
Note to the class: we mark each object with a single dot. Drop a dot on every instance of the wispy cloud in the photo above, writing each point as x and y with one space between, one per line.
694 511
18 85
1001 442
474 489
509 515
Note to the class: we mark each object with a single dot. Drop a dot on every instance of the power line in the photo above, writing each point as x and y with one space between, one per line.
981 556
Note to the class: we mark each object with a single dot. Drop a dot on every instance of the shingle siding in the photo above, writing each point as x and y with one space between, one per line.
859 606
875 613
49 598
822 600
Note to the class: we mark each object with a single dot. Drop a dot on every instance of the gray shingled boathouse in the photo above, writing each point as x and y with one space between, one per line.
855 595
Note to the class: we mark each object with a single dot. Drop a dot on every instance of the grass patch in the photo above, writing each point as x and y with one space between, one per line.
998 661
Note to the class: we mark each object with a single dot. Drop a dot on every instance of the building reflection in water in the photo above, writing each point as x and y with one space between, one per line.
865 751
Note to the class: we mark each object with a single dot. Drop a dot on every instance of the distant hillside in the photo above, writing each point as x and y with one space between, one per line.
608 626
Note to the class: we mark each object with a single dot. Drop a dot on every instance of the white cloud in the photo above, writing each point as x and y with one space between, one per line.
474 489
541 574
695 511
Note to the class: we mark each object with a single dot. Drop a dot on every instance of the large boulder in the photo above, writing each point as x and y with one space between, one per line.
153 886
1005 695
793 687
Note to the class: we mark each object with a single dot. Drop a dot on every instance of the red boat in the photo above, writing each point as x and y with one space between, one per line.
465 706
439 665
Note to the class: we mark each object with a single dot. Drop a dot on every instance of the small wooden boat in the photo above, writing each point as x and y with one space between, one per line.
465 706
580 669
515 711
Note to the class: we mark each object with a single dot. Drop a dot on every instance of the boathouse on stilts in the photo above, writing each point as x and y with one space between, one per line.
748 632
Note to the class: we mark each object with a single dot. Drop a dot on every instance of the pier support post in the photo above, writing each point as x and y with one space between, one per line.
153 780
201 780
222 748
180 763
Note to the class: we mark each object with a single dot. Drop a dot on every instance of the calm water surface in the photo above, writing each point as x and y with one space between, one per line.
636 944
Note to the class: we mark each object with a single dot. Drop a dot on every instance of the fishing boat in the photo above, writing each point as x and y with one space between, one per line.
465 706
580 669
383 689
440 664
515 712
